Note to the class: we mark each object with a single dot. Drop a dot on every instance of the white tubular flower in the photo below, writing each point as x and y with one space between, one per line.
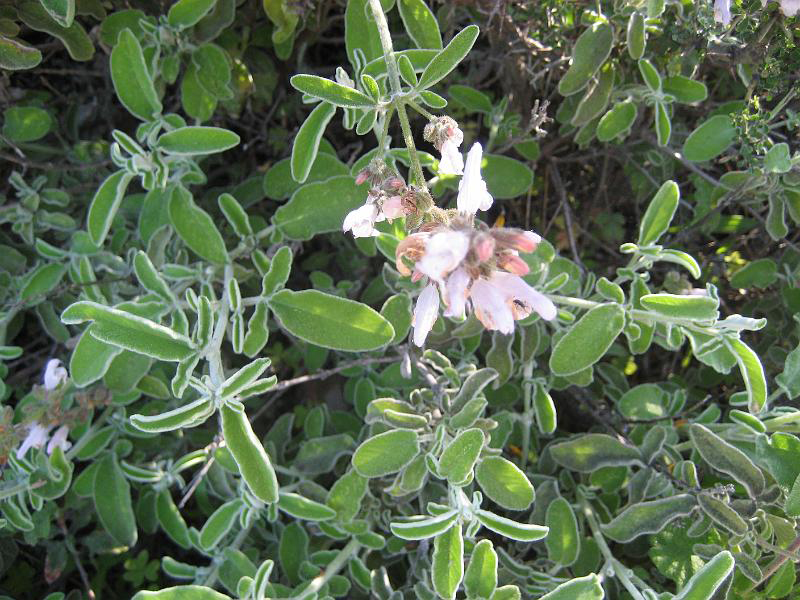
444 252
456 293
59 440
36 438
522 298
361 221
451 163
426 312
490 306
722 11
790 7
54 374
472 192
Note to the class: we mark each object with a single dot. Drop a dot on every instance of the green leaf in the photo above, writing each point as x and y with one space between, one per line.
712 581
681 258
789 379
673 555
659 213
447 566
588 340
420 23
726 458
196 227
284 19
663 124
504 483
386 453
346 494
26 123
331 91
778 159
303 508
590 52
480 578
16 56
617 121
397 310
189 415
595 100
752 372
563 540
171 520
306 143
448 58
220 523
90 359
645 401
105 204
130 331
650 75
580 588
63 11
197 140
636 37
361 33
523 532
330 321
182 592
648 517
782 581
249 454
722 514
75 39
460 455
42 280
505 177
308 214
710 139
132 81
420 528
587 453
185 13
685 90
112 501
681 306
759 273
473 100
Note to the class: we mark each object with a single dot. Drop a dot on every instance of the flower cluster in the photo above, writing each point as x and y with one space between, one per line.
388 198
38 434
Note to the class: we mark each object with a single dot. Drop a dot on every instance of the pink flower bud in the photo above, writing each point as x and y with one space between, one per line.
416 276
362 176
513 264
527 241
484 247
395 183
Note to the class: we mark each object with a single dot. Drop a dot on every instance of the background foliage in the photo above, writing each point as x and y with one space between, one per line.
243 409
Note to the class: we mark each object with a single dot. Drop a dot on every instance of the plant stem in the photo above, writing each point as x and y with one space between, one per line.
332 569
397 91
527 422
619 568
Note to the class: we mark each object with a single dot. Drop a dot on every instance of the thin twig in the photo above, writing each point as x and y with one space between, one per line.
76 557
557 183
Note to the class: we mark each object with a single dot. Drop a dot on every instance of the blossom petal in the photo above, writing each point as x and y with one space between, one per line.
54 374
490 307
452 162
59 440
444 252
472 192
426 312
36 438
722 11
516 289
456 295
361 221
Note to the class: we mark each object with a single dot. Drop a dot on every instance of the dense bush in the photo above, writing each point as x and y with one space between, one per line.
275 323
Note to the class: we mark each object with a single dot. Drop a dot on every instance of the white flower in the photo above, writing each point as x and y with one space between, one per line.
456 293
444 251
522 298
36 438
59 440
54 374
361 221
790 7
472 192
451 163
490 306
426 312
722 11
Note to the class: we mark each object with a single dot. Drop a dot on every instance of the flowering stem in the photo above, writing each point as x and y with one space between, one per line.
394 82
